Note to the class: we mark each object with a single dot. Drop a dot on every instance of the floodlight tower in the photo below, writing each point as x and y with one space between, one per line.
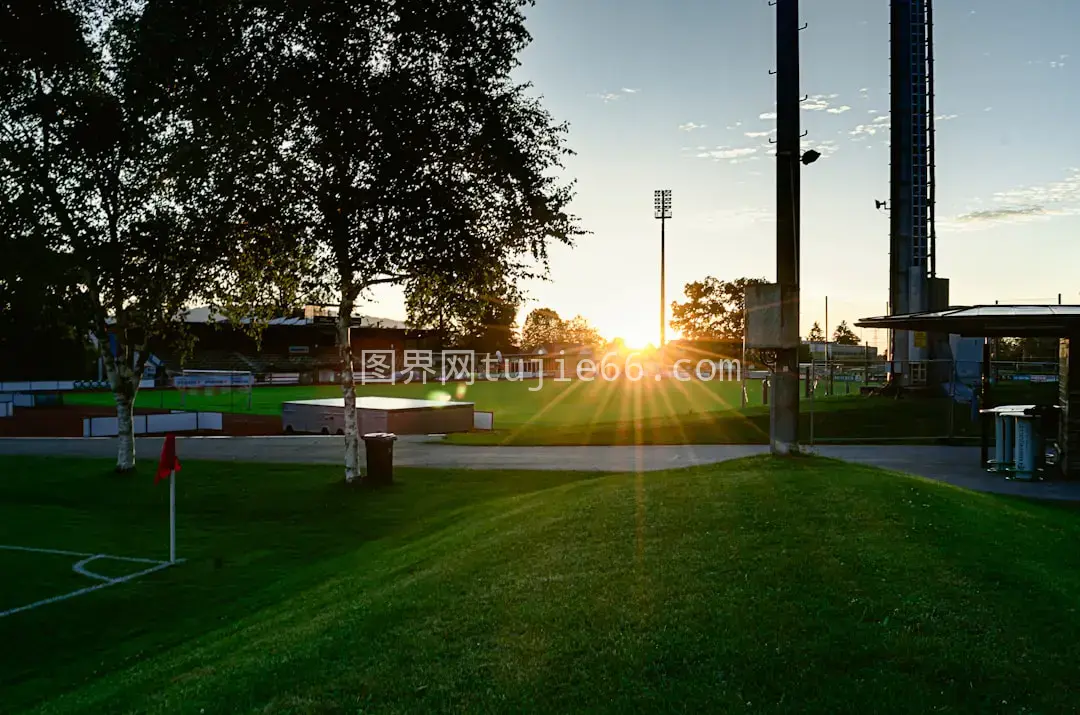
662 211
913 282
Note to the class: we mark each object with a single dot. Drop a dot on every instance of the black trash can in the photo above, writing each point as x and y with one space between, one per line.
379 447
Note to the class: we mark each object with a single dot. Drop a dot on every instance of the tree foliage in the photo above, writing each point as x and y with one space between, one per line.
407 154
578 331
714 309
105 174
469 317
816 334
843 335
543 326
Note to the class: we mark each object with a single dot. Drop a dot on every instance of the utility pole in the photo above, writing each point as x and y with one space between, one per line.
784 413
662 211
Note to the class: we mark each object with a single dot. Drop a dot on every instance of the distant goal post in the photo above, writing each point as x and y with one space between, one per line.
214 381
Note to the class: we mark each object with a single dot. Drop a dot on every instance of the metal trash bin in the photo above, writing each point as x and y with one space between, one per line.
379 447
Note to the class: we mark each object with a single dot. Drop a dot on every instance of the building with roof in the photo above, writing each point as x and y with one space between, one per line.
1012 321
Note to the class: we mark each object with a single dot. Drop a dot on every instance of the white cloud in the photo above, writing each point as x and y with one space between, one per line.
989 109
691 126
816 102
736 125
727 153
767 115
862 131
1041 202
760 135
872 111
945 117
838 110
614 96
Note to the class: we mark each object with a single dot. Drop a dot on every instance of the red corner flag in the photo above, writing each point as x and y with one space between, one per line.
169 462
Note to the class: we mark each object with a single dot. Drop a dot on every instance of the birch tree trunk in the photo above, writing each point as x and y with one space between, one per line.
348 390
125 385
125 436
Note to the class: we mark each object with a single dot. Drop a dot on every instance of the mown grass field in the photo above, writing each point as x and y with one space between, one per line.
625 412
755 586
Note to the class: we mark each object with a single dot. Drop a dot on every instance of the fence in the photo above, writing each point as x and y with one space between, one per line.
154 424
938 400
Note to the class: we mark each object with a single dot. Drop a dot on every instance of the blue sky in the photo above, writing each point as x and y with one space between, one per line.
676 94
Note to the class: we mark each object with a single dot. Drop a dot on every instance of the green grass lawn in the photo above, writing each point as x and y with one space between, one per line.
547 403
625 412
760 585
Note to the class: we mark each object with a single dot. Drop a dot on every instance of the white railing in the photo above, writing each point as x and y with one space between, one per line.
63 385
154 424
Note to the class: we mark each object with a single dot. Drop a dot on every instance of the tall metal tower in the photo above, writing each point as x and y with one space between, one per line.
913 283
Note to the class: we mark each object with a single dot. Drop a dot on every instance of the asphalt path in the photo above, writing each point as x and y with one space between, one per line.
954 465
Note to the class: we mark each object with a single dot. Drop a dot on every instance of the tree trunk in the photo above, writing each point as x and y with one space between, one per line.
125 435
125 385
348 390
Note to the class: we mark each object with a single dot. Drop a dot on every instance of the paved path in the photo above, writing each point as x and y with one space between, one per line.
955 465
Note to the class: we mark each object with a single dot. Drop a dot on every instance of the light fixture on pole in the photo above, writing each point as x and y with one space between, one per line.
662 212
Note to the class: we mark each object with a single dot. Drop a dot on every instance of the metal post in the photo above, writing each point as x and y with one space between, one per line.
742 365
828 372
952 400
172 517
985 403
662 211
784 415
663 306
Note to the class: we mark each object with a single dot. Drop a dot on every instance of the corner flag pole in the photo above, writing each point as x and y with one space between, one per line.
167 469
172 516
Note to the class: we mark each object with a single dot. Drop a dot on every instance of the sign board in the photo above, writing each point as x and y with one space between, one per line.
920 339
299 350
772 317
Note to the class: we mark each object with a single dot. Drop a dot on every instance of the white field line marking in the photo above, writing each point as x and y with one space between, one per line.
79 568
79 553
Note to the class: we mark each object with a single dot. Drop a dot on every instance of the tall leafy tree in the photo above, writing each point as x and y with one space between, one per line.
109 177
408 150
578 331
477 317
542 326
713 310
816 334
843 335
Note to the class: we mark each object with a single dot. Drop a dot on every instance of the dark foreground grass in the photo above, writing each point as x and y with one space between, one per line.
755 586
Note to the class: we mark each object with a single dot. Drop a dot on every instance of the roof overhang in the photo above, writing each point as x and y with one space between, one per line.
987 321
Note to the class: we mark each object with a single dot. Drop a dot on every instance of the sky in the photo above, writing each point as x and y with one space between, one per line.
676 94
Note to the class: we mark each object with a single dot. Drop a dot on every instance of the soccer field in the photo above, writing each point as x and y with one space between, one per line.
514 403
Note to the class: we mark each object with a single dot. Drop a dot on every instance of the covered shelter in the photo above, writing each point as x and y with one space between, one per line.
1012 321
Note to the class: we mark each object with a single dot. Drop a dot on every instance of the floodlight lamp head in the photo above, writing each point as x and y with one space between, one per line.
662 203
810 157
